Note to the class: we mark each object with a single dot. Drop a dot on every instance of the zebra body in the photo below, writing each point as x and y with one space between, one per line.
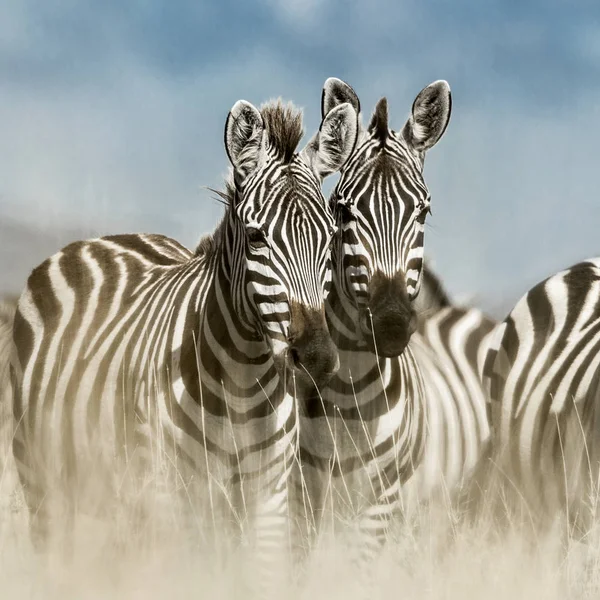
353 459
133 350
98 352
451 344
544 383
363 434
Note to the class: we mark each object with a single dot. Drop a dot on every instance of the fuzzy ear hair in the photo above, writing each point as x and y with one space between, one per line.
332 146
244 132
336 92
430 116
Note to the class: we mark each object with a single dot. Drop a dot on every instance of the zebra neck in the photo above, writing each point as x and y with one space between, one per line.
235 360
343 321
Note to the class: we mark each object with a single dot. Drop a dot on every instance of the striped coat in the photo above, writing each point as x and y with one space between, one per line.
451 345
138 358
543 373
362 436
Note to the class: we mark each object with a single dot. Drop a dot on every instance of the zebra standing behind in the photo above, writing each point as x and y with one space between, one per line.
8 307
132 343
543 373
451 345
363 435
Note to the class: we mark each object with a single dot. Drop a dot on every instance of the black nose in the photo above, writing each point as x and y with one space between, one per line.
390 320
387 333
312 352
315 358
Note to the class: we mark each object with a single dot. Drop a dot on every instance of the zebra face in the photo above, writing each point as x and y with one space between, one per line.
380 204
283 229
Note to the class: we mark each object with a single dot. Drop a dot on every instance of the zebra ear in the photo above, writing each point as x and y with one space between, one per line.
244 132
336 92
430 115
331 147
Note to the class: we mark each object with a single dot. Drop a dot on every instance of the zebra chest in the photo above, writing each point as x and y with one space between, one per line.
358 424
355 444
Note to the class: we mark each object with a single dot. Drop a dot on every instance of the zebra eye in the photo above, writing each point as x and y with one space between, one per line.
424 210
256 238
332 232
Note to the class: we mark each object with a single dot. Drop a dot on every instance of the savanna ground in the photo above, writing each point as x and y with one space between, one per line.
440 559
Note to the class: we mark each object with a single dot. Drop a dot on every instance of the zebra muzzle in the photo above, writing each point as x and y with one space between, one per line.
312 354
389 320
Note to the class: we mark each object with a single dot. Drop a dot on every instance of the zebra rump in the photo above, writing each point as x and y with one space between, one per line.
543 376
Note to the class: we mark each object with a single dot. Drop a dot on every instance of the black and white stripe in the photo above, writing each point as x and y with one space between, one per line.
544 383
363 435
451 344
132 346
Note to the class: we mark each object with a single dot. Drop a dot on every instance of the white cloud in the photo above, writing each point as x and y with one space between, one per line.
298 13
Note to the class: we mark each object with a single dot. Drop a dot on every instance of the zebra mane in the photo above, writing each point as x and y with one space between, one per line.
283 124
208 243
432 295
379 121
205 246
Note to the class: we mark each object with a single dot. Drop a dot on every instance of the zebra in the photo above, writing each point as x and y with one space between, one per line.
132 342
451 344
543 378
363 434
8 307
432 296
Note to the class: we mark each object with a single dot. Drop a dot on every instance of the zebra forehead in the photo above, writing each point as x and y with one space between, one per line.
298 212
389 158
294 188
386 188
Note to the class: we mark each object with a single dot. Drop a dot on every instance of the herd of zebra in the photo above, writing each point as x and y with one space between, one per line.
303 356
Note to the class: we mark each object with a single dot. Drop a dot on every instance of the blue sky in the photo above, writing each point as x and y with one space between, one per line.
112 113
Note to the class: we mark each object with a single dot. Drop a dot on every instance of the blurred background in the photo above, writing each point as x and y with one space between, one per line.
112 116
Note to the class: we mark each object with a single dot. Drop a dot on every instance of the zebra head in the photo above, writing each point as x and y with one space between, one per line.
282 230
380 204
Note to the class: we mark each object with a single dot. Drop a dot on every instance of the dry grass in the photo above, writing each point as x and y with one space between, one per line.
437 555
437 558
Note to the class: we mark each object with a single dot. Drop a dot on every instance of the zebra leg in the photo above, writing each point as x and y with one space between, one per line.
581 538
373 529
373 532
270 539
34 494
300 515
51 524
39 523
306 513
270 530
